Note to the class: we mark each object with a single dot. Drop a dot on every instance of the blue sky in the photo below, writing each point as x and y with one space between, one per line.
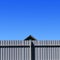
21 18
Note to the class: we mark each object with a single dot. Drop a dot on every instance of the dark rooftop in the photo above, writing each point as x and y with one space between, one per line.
30 38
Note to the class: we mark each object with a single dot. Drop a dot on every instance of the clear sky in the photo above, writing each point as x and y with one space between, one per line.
21 18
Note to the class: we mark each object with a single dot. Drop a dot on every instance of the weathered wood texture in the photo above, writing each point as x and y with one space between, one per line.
23 50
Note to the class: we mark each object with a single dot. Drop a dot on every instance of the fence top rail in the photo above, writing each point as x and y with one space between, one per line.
31 46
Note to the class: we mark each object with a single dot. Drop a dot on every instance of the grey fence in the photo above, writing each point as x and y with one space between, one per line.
30 50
